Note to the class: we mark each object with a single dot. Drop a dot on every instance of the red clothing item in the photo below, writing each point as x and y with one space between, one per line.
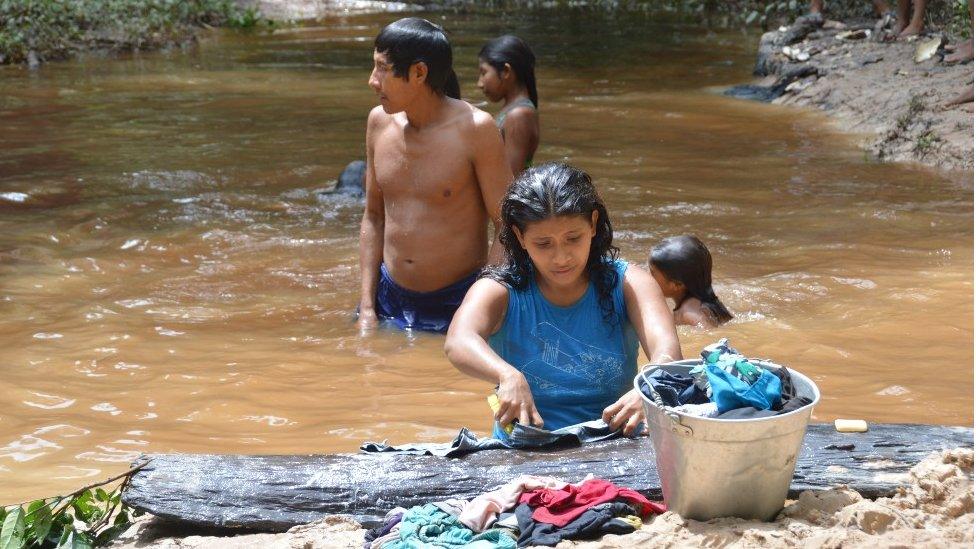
561 506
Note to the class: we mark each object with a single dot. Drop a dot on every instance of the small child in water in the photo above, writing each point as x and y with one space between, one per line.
682 267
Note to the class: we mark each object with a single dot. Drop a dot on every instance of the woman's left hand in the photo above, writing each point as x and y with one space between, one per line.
627 412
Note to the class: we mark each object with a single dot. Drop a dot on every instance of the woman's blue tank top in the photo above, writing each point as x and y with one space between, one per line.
576 361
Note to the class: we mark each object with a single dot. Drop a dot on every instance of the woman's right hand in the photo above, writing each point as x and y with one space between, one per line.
515 401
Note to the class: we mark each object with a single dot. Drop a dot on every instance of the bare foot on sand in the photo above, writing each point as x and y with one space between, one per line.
911 17
963 52
913 29
962 98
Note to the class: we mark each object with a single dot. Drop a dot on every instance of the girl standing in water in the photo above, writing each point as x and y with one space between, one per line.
506 73
557 327
682 267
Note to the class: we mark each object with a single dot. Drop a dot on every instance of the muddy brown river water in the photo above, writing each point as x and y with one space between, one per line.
170 280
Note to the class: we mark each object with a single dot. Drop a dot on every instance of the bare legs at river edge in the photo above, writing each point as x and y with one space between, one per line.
880 7
911 18
962 53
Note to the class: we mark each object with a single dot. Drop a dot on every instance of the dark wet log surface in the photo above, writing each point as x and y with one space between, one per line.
274 493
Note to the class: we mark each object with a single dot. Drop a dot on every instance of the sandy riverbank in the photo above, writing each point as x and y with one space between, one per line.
934 510
877 87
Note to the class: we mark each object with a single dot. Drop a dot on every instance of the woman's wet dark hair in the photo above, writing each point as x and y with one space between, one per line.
414 40
550 190
514 51
685 259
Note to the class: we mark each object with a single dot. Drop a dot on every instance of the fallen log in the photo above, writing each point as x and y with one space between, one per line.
274 493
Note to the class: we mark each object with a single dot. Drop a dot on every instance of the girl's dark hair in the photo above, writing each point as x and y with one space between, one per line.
685 259
550 190
512 50
414 40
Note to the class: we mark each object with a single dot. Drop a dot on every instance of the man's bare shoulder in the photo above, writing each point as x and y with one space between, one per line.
378 118
472 118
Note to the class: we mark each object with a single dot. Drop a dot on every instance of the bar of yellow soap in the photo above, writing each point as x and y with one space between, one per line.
495 406
850 425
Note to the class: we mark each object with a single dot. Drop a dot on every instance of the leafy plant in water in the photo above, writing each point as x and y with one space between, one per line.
88 517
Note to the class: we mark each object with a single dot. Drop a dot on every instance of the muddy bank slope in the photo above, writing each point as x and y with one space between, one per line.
934 510
894 93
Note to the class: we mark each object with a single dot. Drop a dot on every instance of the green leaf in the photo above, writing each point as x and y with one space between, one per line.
42 522
66 536
35 505
101 495
122 517
85 508
82 541
75 540
14 530
110 534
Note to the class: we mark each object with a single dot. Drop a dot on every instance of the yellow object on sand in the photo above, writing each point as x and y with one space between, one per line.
850 425
495 406
633 520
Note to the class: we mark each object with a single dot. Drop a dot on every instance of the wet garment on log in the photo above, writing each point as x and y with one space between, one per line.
561 506
606 518
522 437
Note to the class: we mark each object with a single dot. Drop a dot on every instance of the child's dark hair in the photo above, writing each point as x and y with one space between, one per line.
550 190
413 40
514 51
685 259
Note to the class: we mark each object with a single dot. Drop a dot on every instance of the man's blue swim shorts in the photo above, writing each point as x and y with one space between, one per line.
425 311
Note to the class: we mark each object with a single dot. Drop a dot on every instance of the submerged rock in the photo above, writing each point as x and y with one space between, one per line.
759 92
351 182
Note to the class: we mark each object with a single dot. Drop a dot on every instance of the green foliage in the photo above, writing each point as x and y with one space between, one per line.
957 17
244 18
925 143
54 29
90 517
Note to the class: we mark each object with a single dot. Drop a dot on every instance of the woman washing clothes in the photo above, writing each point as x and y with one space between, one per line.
506 73
557 326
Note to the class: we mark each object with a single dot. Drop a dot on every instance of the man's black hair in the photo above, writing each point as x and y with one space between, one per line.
414 40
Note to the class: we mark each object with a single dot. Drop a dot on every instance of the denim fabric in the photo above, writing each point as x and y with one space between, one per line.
522 437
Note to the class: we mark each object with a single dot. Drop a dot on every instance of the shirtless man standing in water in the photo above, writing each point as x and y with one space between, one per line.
435 174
